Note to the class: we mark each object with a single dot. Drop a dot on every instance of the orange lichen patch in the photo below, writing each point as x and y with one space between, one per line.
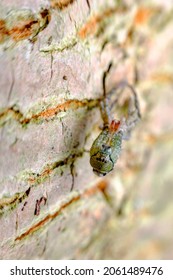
50 112
89 28
46 172
102 185
143 15
151 249
48 218
12 112
161 138
151 139
60 4
3 30
99 187
24 29
22 24
162 77
92 25
33 179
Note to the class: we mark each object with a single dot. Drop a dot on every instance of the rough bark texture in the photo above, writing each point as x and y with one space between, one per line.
52 58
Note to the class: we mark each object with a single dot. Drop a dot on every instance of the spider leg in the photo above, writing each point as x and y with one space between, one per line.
104 104
111 92
134 114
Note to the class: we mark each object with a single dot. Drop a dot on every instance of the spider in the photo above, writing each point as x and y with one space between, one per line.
106 148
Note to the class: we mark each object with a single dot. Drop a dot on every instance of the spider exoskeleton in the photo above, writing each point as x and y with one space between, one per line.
106 149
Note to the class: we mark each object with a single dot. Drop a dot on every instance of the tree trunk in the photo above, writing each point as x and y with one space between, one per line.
53 56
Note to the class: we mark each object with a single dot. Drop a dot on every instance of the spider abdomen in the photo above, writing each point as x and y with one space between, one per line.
105 151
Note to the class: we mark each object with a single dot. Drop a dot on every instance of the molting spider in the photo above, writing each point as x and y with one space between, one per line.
106 149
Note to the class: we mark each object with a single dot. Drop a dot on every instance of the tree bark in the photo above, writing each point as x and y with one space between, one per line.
53 56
